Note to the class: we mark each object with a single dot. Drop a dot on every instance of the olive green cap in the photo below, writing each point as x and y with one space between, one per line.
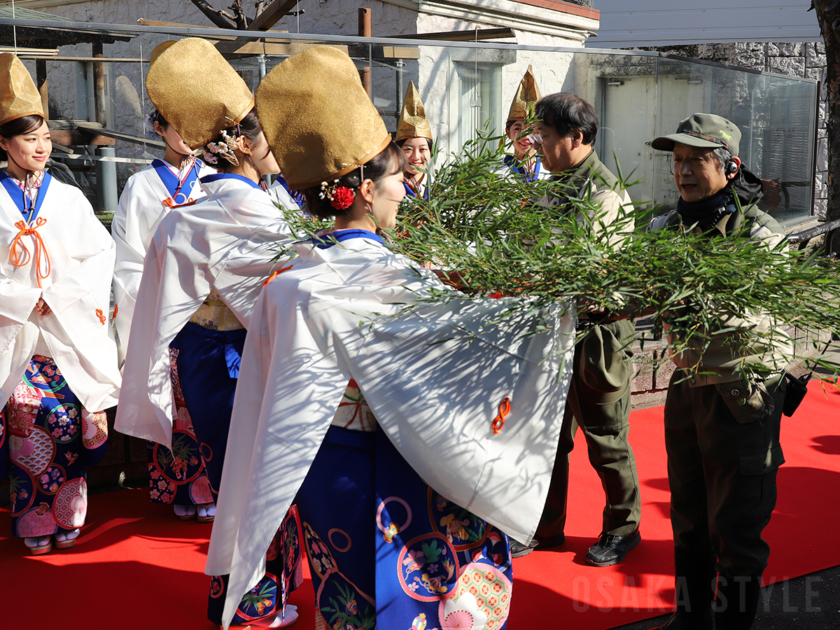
702 130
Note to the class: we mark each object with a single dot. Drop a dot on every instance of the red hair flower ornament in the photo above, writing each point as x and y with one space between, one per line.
341 197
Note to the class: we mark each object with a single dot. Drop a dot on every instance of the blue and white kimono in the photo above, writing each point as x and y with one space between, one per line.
175 476
204 269
413 191
148 196
409 443
516 168
57 371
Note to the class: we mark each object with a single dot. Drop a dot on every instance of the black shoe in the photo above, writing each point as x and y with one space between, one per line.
694 585
737 602
611 550
517 550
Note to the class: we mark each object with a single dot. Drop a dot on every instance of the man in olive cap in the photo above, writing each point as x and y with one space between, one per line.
721 429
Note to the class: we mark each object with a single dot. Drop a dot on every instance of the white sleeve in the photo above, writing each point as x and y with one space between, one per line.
128 267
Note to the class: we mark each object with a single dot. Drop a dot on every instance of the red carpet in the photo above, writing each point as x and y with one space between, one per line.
136 567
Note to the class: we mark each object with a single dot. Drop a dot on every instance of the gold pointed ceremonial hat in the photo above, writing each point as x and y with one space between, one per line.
196 90
160 48
413 122
18 95
317 117
527 95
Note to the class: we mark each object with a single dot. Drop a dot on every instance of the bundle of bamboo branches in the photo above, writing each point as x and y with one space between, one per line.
488 234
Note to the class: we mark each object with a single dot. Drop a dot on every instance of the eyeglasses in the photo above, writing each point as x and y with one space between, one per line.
695 164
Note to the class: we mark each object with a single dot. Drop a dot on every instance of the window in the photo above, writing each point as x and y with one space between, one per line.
480 99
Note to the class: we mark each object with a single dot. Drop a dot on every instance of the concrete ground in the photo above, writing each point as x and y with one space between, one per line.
811 602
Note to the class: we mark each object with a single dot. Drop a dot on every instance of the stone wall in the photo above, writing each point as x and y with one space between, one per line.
804 60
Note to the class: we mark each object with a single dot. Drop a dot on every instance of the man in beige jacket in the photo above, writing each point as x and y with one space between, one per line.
599 394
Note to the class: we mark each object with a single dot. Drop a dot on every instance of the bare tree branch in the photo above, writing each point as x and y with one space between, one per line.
241 19
220 18
260 6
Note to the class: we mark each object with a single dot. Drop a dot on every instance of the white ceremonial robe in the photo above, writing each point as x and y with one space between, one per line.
77 290
137 218
434 378
227 240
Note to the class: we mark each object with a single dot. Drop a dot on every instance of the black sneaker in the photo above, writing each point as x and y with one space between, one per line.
611 550
517 549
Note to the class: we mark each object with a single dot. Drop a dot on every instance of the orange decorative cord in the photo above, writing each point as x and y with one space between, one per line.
116 310
276 273
20 258
499 421
101 316
393 530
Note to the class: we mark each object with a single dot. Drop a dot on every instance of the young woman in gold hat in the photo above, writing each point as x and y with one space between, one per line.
147 197
408 442
202 273
58 359
414 137
523 161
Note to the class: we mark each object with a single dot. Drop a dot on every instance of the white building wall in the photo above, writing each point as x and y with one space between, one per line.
434 71
438 75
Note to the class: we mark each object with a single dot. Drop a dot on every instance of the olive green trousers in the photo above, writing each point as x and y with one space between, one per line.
598 402
723 453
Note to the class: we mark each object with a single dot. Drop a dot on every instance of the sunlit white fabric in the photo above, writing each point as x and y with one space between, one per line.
434 378
228 240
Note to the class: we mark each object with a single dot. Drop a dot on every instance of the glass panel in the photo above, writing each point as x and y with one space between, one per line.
464 86
781 142
640 98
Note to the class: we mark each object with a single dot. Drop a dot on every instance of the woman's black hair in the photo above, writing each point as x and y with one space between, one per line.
390 161
567 112
18 127
157 117
249 127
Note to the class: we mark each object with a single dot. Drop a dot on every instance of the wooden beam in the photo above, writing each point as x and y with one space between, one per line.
460 36
71 133
96 59
365 31
32 53
99 92
396 52
43 86
111 135
272 14
250 48
145 22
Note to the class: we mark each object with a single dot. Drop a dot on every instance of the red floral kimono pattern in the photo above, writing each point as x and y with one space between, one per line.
178 476
51 440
